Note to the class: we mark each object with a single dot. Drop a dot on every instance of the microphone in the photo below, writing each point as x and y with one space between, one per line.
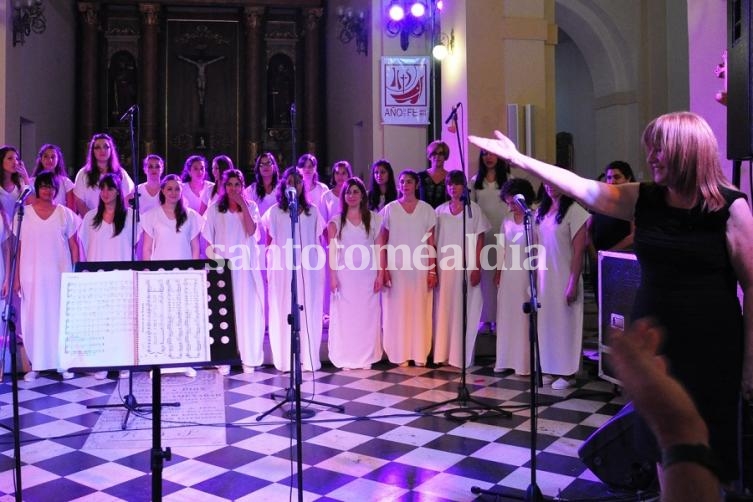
129 112
24 195
453 114
521 202
292 195
466 198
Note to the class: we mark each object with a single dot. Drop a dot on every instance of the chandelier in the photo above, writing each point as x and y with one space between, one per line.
28 17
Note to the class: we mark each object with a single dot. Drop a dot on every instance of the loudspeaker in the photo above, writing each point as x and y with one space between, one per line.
614 456
739 92
619 278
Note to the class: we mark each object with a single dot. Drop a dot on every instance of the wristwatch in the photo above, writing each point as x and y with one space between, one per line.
699 454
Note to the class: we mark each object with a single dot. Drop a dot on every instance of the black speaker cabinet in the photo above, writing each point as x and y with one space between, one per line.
619 277
615 458
739 100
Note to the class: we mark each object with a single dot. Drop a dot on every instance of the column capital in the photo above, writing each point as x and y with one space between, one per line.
313 18
149 13
89 13
252 17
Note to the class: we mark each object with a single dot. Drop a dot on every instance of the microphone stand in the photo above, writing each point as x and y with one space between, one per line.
10 341
531 307
464 396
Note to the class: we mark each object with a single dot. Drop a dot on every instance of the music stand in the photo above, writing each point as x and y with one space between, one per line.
223 348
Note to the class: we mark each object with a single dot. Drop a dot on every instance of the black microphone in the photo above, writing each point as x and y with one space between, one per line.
292 195
128 113
453 114
24 195
521 202
466 198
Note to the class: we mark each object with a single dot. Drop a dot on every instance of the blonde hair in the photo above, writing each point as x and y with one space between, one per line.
691 154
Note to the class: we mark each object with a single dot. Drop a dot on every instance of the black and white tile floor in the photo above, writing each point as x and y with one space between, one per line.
379 449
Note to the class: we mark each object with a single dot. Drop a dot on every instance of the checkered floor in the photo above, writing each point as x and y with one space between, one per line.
378 449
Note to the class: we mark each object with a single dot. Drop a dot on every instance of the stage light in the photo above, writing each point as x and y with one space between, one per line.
418 9
396 11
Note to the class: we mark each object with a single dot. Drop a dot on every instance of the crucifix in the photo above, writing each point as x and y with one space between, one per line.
201 79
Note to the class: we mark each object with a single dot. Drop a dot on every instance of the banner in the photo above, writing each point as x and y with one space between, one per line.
405 90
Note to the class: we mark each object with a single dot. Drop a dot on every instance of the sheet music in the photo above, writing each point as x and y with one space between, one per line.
173 317
96 319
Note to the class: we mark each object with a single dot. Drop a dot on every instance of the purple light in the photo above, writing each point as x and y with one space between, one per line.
396 12
418 9
440 5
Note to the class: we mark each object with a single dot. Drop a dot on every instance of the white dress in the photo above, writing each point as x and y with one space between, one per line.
190 199
98 244
167 243
309 282
330 205
146 200
406 306
90 195
226 232
355 316
8 201
314 196
560 325
66 186
512 323
448 295
45 255
495 211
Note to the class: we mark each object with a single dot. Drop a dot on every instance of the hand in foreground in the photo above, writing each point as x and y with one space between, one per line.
502 146
660 399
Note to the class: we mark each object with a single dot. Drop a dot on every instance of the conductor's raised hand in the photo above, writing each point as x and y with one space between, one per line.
501 145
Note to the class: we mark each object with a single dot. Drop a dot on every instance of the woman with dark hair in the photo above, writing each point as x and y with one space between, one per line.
106 231
431 187
171 230
14 180
512 281
492 174
355 281
408 223
48 247
50 158
149 191
220 164
230 230
341 172
262 190
382 189
448 295
194 177
561 227
314 188
310 261
102 158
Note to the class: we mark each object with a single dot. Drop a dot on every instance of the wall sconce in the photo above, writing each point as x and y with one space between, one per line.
406 18
354 26
28 16
444 45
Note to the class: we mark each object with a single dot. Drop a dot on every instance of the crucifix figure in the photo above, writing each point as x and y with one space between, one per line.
201 77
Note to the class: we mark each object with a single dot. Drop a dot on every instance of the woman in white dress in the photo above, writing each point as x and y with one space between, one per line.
171 231
310 263
230 229
220 164
341 172
355 323
492 174
14 179
106 231
448 295
382 189
561 226
148 191
101 159
512 280
407 303
195 183
50 158
48 248
314 188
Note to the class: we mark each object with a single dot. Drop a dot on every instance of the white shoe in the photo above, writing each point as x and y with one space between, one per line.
190 373
31 376
123 374
67 375
563 383
248 369
100 375
223 369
